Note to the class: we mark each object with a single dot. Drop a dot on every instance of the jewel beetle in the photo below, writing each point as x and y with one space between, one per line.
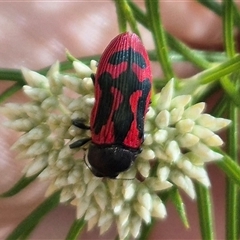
122 88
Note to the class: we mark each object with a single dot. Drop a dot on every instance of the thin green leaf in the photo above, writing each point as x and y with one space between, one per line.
232 193
196 57
10 91
216 7
180 206
228 30
153 16
122 22
188 53
75 229
128 14
212 5
20 185
139 15
146 230
12 75
29 223
204 203
229 167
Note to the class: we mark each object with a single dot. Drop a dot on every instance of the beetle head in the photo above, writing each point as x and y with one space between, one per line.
110 160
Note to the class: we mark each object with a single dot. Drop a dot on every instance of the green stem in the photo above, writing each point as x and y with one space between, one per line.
75 229
216 72
27 225
180 206
231 188
10 91
228 28
153 16
188 53
217 8
146 230
125 10
12 75
122 23
204 203
229 167
193 56
232 196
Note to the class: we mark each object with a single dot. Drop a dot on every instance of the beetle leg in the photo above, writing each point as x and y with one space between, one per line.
79 143
79 123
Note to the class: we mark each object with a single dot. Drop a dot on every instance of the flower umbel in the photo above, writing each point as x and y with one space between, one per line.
178 141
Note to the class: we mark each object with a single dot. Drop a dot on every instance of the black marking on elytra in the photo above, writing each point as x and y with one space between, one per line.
129 56
127 83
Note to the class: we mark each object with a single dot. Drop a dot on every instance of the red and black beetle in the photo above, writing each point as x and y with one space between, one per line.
122 94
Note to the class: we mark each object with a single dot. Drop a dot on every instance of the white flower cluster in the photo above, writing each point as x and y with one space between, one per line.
178 137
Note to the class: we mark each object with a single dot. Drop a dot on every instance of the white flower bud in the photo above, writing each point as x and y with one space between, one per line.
202 132
148 139
160 136
38 148
37 94
183 182
194 111
61 180
150 113
161 155
124 216
128 192
79 190
105 217
213 141
185 125
156 185
173 151
105 226
117 204
159 209
87 84
91 186
176 115
214 124
162 119
165 97
144 198
93 66
92 222
49 103
20 125
82 206
205 153
187 140
12 111
39 163
180 101
163 173
66 194
147 154
91 212
82 69
142 212
136 224
35 79
101 197
144 168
